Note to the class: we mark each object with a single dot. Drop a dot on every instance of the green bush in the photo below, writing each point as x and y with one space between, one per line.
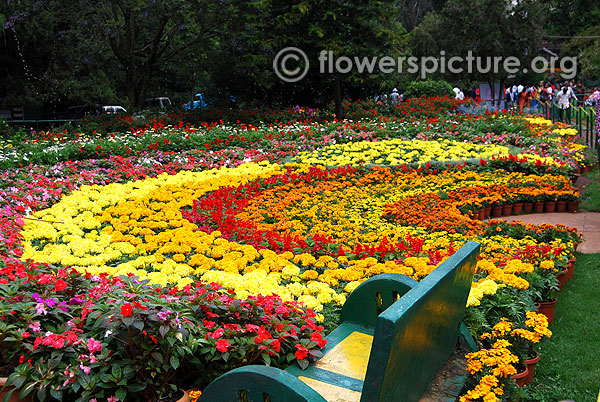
428 88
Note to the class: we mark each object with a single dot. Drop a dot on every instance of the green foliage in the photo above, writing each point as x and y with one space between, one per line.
428 88
87 338
586 47
507 302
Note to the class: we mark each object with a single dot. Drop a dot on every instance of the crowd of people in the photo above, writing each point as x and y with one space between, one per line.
526 97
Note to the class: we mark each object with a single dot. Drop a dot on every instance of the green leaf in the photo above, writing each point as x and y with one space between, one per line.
174 362
158 357
56 394
133 388
128 321
116 371
121 394
303 364
139 325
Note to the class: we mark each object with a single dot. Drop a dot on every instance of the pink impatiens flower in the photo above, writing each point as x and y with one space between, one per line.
40 308
94 345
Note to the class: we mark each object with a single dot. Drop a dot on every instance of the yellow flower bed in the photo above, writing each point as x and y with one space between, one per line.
398 152
539 121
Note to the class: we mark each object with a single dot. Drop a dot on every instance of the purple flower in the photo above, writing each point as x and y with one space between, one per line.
163 315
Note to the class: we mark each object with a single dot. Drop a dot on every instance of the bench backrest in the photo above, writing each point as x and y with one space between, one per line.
373 297
416 335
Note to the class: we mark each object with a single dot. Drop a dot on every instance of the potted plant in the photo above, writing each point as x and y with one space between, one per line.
543 286
522 337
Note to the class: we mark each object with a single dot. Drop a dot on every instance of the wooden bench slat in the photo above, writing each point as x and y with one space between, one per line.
330 392
350 357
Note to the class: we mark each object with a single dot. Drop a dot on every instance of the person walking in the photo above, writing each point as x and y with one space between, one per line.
563 99
395 96
522 99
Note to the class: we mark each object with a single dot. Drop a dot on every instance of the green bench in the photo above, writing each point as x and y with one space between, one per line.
394 337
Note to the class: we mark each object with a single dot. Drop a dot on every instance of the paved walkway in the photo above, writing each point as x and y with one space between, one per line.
587 223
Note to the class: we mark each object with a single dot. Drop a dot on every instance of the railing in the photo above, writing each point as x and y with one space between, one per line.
580 117
37 123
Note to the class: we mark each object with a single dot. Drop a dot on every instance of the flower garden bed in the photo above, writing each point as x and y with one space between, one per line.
205 259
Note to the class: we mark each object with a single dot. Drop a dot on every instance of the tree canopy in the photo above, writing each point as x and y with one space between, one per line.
59 53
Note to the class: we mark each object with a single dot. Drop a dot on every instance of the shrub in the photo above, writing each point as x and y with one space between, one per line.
78 337
428 88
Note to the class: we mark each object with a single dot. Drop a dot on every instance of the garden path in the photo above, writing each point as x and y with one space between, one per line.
587 223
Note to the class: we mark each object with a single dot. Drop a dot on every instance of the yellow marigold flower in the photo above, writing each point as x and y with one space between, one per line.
310 274
178 257
351 286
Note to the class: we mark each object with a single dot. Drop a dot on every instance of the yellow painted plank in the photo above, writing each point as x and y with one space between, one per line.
332 393
350 357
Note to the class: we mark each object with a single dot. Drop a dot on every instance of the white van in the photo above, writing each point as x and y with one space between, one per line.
113 110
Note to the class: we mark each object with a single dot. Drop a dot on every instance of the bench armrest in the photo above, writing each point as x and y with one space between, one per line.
257 384
374 296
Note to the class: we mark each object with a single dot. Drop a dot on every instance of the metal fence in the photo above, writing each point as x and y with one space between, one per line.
37 124
582 118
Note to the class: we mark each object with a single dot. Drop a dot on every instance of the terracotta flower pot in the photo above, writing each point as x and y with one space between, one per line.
507 210
561 206
488 211
481 214
15 395
538 207
574 178
547 308
496 211
527 207
521 377
517 208
572 206
563 278
531 363
571 267
184 398
550 206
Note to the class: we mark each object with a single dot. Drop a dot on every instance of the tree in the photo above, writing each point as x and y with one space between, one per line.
571 17
142 35
412 12
347 28
587 49
487 29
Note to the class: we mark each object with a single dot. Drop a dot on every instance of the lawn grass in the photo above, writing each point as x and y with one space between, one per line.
570 363
591 192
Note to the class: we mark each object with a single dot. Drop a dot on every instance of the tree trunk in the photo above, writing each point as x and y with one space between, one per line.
501 93
492 91
337 88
